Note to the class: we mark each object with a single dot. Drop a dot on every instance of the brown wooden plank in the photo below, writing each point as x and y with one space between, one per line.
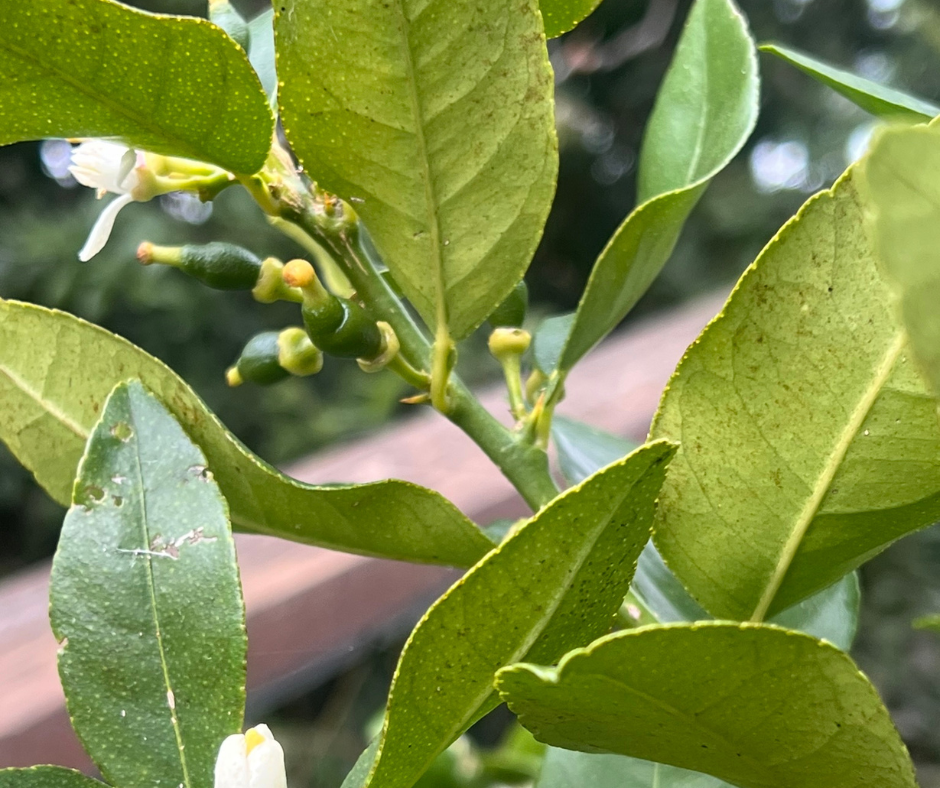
310 610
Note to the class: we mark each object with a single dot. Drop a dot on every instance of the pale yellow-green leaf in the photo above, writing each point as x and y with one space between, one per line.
436 120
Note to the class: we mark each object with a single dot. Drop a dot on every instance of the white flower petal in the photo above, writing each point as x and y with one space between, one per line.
100 164
101 231
231 767
266 763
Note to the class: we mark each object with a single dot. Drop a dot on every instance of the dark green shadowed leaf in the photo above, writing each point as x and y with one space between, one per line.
549 341
46 777
808 440
95 68
583 450
563 15
758 706
56 372
556 583
436 119
572 769
261 52
879 100
705 111
903 179
146 604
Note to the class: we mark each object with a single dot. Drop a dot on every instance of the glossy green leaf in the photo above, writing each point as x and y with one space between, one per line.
583 450
146 603
809 442
261 52
554 584
563 15
46 777
705 111
56 372
755 705
97 68
223 14
572 769
879 100
436 119
903 177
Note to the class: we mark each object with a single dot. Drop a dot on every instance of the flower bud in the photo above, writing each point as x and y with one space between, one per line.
505 342
251 760
338 326
221 266
272 356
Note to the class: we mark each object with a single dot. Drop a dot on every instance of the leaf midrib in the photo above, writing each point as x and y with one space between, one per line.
430 196
46 405
535 632
828 473
186 149
691 721
158 633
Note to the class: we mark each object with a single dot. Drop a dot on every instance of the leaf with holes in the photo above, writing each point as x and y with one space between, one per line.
436 119
808 440
56 372
556 583
146 603
879 100
95 68
705 111
902 175
755 705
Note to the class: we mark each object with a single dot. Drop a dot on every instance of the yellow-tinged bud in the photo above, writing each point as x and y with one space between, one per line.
298 273
505 342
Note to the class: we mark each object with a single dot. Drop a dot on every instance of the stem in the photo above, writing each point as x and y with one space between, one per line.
336 228
523 464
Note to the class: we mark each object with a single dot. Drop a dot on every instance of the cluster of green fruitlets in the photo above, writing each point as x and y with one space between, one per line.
680 614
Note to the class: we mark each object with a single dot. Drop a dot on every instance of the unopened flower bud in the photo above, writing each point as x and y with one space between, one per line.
251 760
221 266
506 342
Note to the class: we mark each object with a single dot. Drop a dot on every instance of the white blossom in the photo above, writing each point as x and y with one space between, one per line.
251 760
134 176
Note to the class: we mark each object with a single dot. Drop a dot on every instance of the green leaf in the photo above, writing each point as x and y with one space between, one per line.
706 109
555 583
583 450
223 14
563 15
436 119
879 100
46 777
146 603
809 442
549 341
572 769
56 372
95 68
831 614
902 177
262 54
755 705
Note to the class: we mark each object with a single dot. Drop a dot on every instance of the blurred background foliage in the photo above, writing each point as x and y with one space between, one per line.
607 73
